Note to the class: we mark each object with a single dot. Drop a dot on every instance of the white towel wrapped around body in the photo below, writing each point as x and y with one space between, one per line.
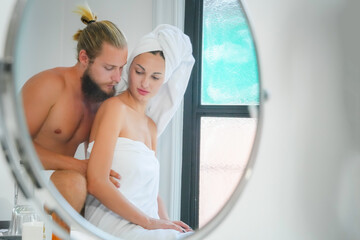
179 62
139 170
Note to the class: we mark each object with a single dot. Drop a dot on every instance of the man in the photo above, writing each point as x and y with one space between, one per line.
60 104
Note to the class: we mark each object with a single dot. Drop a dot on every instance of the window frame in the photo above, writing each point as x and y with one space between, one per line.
193 111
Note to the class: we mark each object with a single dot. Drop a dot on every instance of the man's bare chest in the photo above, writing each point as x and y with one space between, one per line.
68 123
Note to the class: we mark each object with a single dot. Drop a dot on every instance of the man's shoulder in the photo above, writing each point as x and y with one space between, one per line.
54 78
48 84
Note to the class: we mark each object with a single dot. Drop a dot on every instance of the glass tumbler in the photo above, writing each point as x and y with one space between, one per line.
22 212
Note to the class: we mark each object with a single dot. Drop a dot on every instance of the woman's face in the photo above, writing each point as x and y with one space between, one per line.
146 75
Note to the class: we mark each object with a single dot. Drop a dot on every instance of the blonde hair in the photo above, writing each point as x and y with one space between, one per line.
96 33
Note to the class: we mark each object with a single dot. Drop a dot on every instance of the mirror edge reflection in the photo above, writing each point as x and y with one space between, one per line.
248 170
22 145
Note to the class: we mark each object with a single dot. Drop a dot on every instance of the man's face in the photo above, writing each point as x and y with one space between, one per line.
103 73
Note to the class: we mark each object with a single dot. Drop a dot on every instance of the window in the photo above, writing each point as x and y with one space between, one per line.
218 128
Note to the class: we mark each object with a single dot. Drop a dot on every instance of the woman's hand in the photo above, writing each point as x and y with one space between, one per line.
167 224
183 225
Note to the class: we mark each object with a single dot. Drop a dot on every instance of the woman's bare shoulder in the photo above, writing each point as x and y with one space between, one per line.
113 102
113 105
111 113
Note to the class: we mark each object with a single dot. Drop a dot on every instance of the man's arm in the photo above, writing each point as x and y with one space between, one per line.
39 95
55 161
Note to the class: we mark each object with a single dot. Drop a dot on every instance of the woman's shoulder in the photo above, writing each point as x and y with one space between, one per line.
112 106
113 103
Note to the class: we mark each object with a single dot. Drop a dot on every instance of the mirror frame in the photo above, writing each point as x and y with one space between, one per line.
20 155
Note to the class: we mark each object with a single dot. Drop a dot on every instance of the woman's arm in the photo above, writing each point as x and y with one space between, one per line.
161 206
108 126
162 209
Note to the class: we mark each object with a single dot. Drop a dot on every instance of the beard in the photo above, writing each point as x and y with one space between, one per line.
91 90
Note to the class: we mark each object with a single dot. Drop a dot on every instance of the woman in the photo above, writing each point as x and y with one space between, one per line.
124 134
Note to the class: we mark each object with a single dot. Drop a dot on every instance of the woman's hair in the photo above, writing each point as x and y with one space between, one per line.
96 33
158 52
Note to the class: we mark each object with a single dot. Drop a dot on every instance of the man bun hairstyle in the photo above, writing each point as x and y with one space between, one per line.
92 37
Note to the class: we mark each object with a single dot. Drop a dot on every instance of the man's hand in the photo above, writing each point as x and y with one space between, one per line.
114 177
81 167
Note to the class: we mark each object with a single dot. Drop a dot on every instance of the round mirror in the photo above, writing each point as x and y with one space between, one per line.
206 152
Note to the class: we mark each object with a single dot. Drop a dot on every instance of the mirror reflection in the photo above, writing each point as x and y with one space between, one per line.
76 132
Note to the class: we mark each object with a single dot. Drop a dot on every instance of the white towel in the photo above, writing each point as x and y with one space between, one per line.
179 62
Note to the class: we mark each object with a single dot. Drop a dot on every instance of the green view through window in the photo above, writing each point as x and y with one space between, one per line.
229 66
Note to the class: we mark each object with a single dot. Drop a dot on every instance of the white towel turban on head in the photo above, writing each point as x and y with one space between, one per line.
179 61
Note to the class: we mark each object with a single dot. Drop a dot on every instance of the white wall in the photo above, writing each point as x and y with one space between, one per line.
5 14
306 179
